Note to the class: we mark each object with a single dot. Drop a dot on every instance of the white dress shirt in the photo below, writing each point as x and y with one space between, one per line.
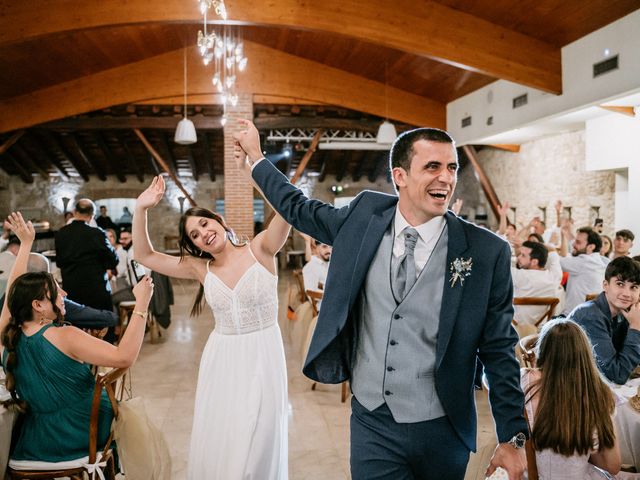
586 273
315 272
537 283
428 235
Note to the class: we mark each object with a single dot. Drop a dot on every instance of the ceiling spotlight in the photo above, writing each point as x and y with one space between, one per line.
287 150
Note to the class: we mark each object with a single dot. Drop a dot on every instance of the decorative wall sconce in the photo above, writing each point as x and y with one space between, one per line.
65 203
543 211
181 201
567 212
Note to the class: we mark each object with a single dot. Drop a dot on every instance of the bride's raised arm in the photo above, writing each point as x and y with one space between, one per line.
143 251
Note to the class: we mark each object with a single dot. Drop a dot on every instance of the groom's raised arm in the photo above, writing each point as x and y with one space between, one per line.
320 220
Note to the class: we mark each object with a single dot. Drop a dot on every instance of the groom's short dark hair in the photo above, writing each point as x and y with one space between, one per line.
402 149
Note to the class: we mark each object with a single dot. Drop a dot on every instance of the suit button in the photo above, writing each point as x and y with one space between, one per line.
390 369
393 342
387 392
397 316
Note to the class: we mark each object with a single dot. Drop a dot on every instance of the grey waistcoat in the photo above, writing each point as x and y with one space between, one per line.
396 351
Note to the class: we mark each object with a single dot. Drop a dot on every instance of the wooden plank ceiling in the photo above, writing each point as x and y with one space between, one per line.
403 60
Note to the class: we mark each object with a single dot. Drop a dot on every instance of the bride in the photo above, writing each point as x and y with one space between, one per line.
240 423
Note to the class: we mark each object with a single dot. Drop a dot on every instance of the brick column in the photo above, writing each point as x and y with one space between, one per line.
238 192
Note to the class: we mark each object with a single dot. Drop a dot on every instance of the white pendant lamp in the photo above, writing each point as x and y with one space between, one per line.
386 133
186 131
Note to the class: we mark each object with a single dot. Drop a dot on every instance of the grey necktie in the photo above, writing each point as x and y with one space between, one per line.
405 275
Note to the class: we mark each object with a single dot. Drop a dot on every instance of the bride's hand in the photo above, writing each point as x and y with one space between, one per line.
152 195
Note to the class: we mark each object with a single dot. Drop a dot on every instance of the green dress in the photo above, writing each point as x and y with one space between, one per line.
59 392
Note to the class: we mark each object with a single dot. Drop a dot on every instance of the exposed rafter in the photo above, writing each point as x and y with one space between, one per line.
127 123
208 159
271 72
421 28
132 159
95 165
10 141
66 155
7 157
112 159
32 164
51 158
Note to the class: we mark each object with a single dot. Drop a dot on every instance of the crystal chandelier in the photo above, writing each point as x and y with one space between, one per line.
225 50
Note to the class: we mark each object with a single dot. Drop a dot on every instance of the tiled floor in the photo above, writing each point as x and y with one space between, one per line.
165 376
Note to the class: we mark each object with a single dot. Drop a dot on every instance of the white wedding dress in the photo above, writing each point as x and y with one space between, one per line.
240 417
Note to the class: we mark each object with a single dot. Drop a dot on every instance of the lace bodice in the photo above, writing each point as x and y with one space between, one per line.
251 305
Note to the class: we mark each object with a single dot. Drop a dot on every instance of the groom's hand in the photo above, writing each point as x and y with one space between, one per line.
249 141
512 459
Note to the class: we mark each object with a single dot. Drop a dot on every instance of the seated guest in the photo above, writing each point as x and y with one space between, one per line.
76 314
584 266
612 321
315 272
605 251
570 408
8 257
622 243
538 274
48 366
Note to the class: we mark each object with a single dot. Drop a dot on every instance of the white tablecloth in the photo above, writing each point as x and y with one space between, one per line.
627 423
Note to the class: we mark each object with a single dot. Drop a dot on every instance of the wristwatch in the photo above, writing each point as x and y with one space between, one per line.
518 440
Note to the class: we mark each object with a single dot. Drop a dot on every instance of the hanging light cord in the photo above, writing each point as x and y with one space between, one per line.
185 82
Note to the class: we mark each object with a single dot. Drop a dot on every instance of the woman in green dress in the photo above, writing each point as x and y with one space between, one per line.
47 365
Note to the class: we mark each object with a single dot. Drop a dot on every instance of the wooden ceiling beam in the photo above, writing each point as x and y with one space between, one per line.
208 158
164 166
307 156
31 163
167 153
274 122
66 155
628 111
127 123
423 28
10 141
132 159
24 175
34 140
271 72
114 162
379 166
192 163
95 166
344 164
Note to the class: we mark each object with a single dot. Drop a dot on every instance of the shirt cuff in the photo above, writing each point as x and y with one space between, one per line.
253 165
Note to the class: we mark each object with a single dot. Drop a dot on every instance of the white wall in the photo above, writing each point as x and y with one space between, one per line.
579 87
612 143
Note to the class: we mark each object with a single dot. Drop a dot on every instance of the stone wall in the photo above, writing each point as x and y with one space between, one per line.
550 169
42 199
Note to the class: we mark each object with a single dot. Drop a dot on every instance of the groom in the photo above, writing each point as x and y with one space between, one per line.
413 295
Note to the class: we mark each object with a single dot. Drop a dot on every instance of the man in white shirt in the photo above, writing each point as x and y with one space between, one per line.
538 274
584 266
315 271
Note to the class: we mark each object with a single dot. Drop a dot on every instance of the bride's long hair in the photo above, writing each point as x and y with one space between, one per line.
574 401
188 248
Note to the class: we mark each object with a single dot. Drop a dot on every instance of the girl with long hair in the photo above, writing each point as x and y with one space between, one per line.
570 408
47 365
240 416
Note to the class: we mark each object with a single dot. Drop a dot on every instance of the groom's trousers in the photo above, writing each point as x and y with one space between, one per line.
382 449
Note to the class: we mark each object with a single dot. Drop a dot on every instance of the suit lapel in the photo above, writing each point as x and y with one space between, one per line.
452 295
370 242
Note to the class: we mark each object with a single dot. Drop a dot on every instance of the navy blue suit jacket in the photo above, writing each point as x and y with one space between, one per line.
475 319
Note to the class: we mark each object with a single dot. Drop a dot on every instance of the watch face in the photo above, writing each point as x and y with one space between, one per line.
519 440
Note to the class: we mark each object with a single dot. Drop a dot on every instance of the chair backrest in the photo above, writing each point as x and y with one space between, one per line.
549 302
527 345
591 296
107 382
315 297
299 279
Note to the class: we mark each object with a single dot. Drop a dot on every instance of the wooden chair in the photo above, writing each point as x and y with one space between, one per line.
591 296
125 310
75 469
299 280
549 302
527 345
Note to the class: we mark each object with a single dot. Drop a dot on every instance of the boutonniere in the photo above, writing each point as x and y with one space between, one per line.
460 269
